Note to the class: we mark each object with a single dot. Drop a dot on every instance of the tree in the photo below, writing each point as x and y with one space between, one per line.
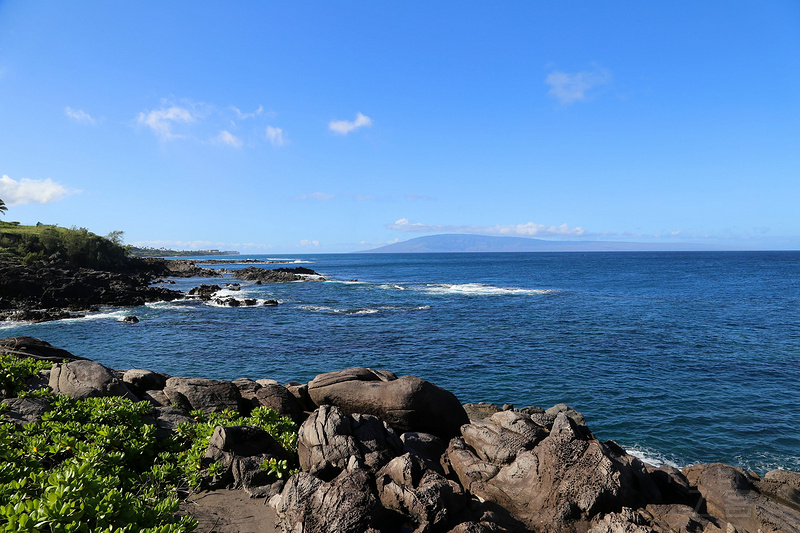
3 207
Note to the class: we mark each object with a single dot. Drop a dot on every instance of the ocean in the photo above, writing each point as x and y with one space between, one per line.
679 357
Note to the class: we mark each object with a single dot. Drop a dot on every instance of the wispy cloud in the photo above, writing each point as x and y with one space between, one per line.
343 127
568 88
245 116
315 196
161 121
228 138
528 229
307 243
275 136
26 191
80 116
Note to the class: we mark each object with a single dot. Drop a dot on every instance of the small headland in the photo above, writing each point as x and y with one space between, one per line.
363 450
51 273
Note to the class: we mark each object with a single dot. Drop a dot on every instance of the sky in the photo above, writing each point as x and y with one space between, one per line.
314 127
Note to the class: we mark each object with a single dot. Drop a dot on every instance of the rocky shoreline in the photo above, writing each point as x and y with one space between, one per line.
377 452
55 289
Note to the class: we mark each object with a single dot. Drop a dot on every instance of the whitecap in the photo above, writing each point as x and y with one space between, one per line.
650 457
479 289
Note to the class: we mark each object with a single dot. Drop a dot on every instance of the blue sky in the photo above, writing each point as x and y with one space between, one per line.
316 127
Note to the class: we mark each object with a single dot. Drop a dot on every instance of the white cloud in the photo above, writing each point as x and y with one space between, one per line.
244 116
27 191
275 136
528 229
80 116
316 196
162 120
226 137
568 88
343 127
306 242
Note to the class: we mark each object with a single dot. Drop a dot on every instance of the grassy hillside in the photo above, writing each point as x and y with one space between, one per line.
77 245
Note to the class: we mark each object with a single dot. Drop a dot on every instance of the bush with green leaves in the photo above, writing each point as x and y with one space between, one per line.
96 465
15 370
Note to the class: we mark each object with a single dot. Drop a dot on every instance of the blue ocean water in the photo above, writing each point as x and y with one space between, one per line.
679 357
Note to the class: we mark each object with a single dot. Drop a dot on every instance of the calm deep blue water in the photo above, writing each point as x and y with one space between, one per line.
679 357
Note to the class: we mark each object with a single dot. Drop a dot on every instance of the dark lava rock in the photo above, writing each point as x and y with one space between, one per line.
274 275
36 349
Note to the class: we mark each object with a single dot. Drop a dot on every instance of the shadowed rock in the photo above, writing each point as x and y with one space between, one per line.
207 395
36 349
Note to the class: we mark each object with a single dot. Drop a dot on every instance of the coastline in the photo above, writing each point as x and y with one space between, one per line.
466 457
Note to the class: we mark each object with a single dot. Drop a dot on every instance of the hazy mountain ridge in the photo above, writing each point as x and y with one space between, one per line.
454 243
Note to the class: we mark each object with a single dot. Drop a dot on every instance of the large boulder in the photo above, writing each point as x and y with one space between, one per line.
566 479
140 380
86 379
407 404
330 440
241 450
427 499
207 395
347 504
502 436
36 349
279 398
731 495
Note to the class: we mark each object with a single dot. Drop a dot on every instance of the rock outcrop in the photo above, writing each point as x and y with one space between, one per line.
366 465
275 275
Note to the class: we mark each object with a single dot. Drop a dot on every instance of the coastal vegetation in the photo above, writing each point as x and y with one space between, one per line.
78 246
97 464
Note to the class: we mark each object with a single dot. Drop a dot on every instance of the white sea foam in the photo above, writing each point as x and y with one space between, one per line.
650 457
118 315
391 287
335 311
479 289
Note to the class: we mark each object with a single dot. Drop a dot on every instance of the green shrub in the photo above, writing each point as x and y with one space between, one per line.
96 465
15 370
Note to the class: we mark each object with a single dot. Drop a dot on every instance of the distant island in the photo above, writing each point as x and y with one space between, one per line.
164 252
455 243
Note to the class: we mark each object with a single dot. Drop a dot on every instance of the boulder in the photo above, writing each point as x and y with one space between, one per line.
166 419
502 436
207 395
407 404
241 450
204 292
85 379
347 504
36 349
21 411
140 380
566 479
427 499
155 397
567 410
427 447
731 496
281 400
329 440
678 517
